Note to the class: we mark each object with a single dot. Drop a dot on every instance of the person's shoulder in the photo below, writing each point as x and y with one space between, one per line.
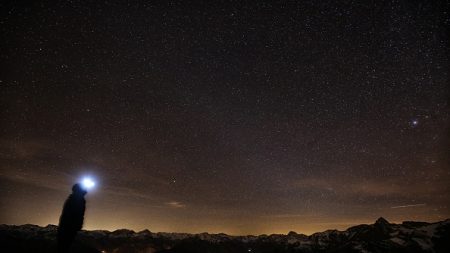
70 198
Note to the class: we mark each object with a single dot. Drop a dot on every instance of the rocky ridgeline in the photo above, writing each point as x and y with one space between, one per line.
381 236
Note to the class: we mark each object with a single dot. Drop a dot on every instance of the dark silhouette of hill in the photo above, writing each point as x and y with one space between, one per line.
381 236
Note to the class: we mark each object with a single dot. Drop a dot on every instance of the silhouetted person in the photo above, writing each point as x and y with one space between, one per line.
71 220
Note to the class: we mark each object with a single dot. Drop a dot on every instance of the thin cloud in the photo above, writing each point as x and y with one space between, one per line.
406 206
175 204
281 216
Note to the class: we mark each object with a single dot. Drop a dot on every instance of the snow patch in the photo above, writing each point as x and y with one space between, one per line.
423 243
398 241
360 249
430 230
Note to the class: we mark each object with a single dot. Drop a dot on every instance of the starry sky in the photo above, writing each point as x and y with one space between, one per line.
225 116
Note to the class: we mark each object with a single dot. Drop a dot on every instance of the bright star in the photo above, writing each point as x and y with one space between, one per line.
415 122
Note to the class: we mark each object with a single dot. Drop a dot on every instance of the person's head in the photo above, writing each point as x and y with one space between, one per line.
78 190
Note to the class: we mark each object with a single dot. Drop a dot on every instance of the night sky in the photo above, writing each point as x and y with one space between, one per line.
224 116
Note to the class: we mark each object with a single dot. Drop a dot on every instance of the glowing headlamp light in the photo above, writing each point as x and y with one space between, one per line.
88 183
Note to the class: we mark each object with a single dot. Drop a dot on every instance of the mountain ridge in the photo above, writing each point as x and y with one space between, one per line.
381 236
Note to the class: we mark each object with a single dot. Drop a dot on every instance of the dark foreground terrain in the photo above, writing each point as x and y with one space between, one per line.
379 237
